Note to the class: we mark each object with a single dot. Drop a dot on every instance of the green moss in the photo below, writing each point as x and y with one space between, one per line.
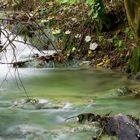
134 63
138 30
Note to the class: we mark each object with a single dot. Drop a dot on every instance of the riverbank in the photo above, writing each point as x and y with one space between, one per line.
80 37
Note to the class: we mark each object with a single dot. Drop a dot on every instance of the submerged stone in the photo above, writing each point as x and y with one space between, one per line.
123 91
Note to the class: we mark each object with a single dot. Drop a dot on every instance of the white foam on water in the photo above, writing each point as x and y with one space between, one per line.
14 47
16 50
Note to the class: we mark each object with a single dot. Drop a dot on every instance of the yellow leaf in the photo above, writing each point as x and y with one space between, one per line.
58 44
100 64
50 3
50 17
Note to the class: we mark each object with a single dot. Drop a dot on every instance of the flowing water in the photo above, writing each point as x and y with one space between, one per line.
60 94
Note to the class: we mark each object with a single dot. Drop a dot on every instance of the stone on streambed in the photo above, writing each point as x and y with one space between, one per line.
45 104
126 91
19 103
85 64
86 128
123 91
32 103
66 106
44 58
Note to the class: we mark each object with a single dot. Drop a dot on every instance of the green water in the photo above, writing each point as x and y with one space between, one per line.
69 92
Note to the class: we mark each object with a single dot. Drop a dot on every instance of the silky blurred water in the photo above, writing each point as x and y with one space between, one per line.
69 93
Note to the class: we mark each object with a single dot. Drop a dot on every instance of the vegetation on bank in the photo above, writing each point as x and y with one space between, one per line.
94 31
84 30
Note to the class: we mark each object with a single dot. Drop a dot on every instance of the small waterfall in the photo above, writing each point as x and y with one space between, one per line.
14 47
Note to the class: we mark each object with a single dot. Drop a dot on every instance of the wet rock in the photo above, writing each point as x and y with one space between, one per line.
49 106
23 104
122 91
85 64
31 103
20 103
85 128
41 103
67 106
123 127
44 58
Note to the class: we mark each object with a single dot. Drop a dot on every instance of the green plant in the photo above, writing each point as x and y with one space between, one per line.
68 1
97 8
134 62
118 43
97 11
128 32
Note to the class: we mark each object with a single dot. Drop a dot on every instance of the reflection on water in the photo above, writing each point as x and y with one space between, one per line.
63 93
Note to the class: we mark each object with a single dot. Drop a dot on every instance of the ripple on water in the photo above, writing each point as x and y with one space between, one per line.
5 104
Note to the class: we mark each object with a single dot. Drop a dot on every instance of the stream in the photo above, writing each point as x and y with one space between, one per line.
57 94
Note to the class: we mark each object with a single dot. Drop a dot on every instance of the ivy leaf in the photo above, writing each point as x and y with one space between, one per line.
89 2
43 1
95 15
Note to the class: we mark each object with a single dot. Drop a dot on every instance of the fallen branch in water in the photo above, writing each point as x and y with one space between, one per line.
41 59
17 64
